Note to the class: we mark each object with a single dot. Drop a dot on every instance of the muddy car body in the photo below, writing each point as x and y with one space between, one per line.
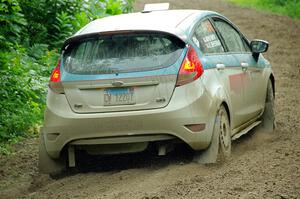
126 81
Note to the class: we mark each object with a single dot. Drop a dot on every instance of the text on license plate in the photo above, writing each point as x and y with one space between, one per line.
119 96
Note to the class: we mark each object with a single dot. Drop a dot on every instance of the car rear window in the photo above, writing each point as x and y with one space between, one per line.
122 53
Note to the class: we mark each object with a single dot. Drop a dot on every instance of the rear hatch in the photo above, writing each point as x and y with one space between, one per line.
121 71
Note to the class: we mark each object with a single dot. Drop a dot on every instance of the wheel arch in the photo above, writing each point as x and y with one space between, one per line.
224 103
222 98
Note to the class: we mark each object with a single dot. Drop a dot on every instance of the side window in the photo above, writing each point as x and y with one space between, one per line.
206 39
231 37
247 45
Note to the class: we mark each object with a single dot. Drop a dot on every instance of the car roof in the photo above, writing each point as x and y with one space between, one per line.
176 22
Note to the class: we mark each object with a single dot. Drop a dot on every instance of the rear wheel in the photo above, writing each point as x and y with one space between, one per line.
268 117
225 134
46 164
220 146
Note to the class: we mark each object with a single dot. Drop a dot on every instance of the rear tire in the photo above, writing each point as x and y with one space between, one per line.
225 135
46 164
268 117
220 146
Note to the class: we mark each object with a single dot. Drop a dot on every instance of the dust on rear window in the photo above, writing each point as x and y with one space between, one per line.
122 53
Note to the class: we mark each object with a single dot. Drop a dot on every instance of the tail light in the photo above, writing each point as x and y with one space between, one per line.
191 68
55 80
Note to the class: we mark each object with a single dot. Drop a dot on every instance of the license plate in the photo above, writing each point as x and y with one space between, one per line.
119 96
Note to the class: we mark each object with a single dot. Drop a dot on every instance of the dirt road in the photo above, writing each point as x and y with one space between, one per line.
262 165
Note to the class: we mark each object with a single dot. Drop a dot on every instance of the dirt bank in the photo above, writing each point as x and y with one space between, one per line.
262 165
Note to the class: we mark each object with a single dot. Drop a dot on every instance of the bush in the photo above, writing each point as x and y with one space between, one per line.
12 22
23 80
286 7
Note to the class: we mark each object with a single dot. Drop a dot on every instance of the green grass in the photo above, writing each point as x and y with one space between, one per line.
284 7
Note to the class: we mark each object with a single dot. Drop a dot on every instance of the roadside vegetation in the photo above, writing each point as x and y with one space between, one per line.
284 7
31 34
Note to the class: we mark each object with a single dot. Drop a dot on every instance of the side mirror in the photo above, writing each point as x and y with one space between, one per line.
258 46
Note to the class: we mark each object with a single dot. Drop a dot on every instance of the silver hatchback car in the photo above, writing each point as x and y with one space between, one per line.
168 76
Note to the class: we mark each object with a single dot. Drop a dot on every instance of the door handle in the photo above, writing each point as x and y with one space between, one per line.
245 66
220 66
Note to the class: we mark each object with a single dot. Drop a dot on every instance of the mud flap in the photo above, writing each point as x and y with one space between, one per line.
71 156
46 164
268 118
268 124
210 154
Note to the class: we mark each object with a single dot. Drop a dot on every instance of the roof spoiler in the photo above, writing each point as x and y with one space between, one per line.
77 38
155 7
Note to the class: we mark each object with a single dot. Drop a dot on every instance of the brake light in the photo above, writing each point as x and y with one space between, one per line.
55 80
191 68
55 76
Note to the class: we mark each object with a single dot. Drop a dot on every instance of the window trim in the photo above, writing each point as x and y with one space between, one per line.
217 33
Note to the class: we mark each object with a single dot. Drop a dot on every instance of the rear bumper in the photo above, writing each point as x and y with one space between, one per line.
190 104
